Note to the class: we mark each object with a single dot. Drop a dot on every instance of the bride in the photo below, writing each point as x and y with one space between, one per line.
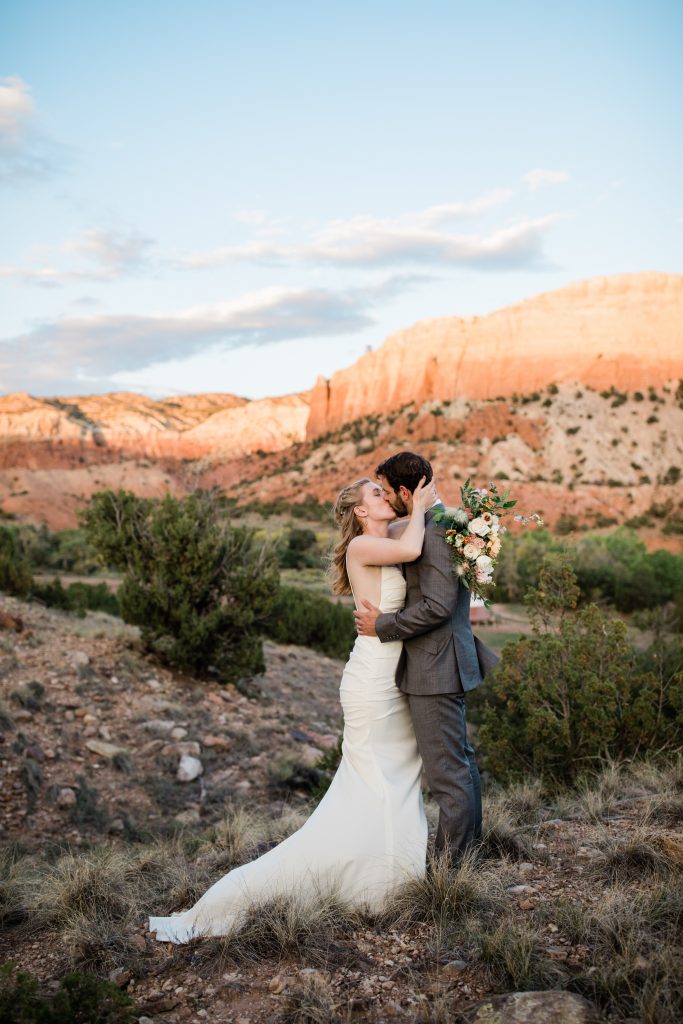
369 832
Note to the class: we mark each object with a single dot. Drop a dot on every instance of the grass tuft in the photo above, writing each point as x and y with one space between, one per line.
285 928
446 894
312 1003
631 859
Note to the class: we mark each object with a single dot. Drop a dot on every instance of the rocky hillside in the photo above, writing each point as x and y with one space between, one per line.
574 397
129 790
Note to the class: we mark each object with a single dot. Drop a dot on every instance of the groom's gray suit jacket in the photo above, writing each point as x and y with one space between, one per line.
439 654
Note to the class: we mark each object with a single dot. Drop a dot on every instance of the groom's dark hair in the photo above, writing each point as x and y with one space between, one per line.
405 469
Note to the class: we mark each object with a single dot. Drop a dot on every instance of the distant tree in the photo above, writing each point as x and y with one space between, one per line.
198 589
15 570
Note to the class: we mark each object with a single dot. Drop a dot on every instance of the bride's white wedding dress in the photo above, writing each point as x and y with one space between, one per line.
368 833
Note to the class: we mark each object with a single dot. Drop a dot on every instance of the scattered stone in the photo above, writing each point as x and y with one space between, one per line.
68 701
308 755
589 853
152 747
517 890
138 943
35 752
526 904
79 659
553 823
120 976
106 750
13 622
555 952
532 1008
526 868
22 715
159 725
66 797
179 733
454 967
217 742
276 985
189 769
190 748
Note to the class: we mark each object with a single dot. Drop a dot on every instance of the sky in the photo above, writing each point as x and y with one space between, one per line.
241 196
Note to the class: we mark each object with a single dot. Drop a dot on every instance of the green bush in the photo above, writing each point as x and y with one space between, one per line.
15 570
62 551
198 589
80 999
77 597
298 549
300 617
614 567
574 692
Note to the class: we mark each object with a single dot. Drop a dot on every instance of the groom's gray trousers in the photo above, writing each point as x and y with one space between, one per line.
439 663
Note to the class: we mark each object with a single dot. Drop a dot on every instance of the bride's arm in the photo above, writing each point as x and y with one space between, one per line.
403 548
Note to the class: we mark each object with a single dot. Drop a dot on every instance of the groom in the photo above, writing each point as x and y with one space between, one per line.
439 661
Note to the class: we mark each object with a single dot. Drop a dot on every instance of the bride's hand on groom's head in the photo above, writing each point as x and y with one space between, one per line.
424 494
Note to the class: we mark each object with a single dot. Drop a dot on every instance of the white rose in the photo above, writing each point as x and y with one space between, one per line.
479 526
470 551
481 576
484 563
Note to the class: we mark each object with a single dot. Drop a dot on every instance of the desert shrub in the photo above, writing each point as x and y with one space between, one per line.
300 617
60 551
573 693
615 567
519 562
198 589
77 597
298 549
80 999
15 570
566 523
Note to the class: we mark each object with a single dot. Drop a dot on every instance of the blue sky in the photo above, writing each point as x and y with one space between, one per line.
240 196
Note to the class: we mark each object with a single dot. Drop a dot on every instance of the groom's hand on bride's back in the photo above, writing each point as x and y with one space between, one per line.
366 617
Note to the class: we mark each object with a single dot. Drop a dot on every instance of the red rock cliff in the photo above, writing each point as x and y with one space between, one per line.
625 331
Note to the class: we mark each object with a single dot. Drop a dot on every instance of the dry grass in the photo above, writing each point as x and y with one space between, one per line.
636 857
509 951
446 894
285 928
635 965
243 834
313 1003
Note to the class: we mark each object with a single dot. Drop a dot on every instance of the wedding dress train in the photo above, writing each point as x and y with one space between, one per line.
368 833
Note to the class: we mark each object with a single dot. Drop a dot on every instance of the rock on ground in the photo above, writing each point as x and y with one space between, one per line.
532 1008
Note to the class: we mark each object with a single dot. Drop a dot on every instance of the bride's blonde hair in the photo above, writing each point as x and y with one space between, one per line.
350 526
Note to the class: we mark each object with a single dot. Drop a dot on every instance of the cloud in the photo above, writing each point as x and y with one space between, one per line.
16 108
24 153
114 254
534 179
117 253
90 349
413 239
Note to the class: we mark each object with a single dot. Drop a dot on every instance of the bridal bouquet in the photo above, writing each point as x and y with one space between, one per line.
473 532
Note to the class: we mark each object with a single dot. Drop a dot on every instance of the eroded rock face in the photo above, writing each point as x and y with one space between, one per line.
123 424
623 331
532 1008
